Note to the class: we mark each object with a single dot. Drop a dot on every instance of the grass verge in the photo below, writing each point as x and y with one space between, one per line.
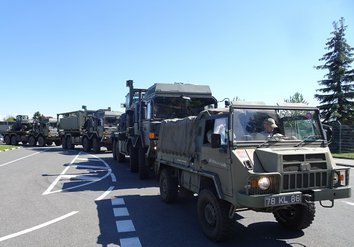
343 155
3 147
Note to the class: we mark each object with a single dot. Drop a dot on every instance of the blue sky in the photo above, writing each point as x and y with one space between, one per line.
56 56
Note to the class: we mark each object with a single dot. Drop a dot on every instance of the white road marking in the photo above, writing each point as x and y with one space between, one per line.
125 226
151 191
120 212
118 201
113 177
38 226
51 187
88 166
349 203
25 157
105 194
79 177
130 242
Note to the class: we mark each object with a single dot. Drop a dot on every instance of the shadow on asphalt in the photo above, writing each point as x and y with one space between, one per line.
161 224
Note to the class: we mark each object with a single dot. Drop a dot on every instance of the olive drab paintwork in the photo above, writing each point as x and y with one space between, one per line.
231 153
90 128
139 126
41 131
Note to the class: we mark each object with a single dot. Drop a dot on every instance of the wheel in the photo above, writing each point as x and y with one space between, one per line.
86 144
41 141
57 143
32 141
213 215
63 143
121 157
49 143
168 186
7 140
133 161
96 147
69 143
143 166
296 217
14 140
114 153
24 142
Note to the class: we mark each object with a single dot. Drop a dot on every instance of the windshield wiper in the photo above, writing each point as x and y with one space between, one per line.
274 138
309 138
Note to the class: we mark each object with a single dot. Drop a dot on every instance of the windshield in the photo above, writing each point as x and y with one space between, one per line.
179 107
264 124
111 121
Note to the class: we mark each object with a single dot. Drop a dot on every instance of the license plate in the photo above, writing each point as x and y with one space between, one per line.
277 200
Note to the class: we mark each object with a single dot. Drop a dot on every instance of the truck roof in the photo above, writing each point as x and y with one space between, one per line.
177 89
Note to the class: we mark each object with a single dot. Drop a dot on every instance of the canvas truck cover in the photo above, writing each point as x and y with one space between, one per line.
74 121
177 136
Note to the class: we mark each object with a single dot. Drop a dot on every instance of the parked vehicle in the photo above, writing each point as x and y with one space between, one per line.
139 126
220 156
90 128
41 131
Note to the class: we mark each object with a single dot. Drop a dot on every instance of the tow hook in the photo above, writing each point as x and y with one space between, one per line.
327 206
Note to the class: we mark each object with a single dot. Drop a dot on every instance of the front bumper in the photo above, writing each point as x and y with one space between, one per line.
258 201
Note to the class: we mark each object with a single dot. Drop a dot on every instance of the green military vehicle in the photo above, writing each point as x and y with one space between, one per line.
90 128
38 131
145 109
225 156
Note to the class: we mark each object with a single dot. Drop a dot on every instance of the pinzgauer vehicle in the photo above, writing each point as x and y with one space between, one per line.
145 109
250 157
42 131
89 128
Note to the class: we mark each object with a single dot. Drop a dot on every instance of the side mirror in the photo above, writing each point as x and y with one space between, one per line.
215 141
329 132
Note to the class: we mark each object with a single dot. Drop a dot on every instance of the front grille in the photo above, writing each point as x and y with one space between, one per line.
304 171
304 180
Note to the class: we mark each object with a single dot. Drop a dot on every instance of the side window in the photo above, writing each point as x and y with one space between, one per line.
149 111
208 131
220 127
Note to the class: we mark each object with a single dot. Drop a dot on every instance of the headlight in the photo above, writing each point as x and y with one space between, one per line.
264 183
340 178
335 178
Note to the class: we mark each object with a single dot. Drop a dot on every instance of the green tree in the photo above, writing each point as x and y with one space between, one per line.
38 116
10 119
337 90
296 98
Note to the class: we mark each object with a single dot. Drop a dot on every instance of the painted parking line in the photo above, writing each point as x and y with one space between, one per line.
22 158
38 226
101 197
349 203
120 212
86 179
118 201
125 226
130 242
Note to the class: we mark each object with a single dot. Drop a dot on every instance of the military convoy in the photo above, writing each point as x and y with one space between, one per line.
227 156
90 128
32 132
219 156
145 109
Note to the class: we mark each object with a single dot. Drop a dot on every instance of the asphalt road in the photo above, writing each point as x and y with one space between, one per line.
54 198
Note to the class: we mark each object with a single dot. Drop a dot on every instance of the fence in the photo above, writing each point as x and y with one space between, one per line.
343 138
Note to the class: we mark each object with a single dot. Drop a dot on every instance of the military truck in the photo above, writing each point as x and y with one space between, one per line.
90 128
145 109
42 131
220 156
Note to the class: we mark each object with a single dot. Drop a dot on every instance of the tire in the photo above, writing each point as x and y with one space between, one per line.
121 157
213 215
49 143
143 166
168 186
41 141
296 217
133 161
63 143
7 140
114 151
69 143
57 143
32 141
24 142
14 140
86 144
96 147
